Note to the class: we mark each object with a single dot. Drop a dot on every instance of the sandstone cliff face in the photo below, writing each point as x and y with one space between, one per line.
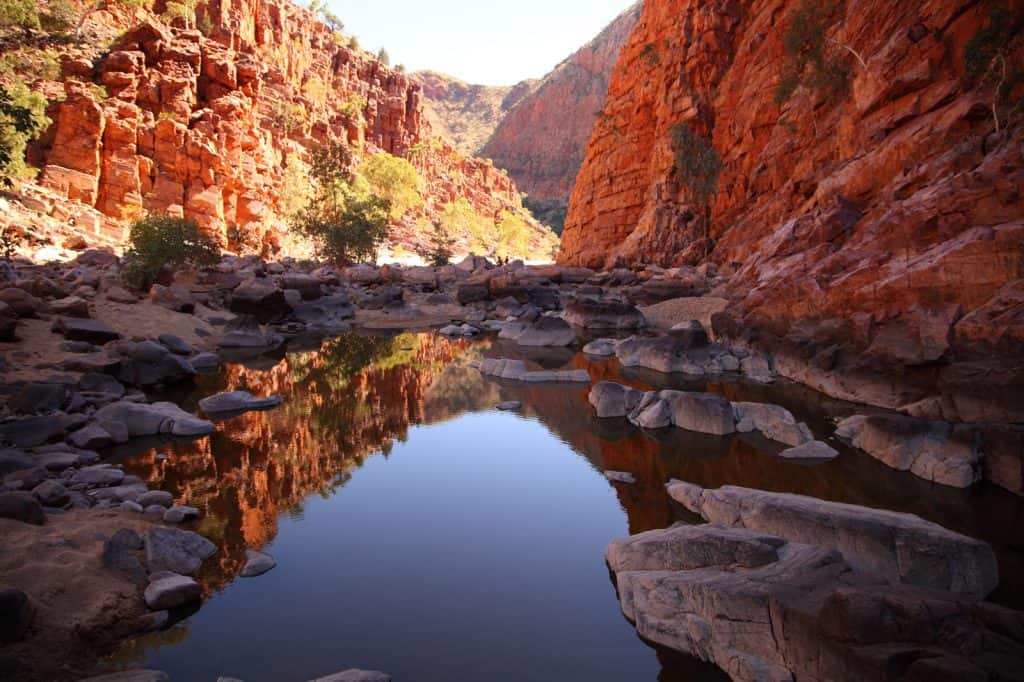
465 114
880 229
541 141
205 124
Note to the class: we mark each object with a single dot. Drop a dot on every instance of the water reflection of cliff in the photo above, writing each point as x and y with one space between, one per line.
350 399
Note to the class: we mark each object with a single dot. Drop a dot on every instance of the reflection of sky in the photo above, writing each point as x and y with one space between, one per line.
474 551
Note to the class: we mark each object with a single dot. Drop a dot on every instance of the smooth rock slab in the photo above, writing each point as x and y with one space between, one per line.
131 676
175 550
515 370
620 477
899 547
155 419
355 675
82 329
547 331
257 563
171 592
237 402
774 421
701 412
815 449
935 451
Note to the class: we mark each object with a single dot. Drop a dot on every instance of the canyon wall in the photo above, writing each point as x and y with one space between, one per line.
216 124
463 113
868 222
541 141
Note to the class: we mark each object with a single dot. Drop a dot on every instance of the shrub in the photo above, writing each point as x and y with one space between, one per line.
185 10
395 179
22 119
810 58
10 240
511 237
315 90
289 115
163 241
441 245
22 14
353 43
697 163
650 53
353 107
60 15
383 57
347 223
331 19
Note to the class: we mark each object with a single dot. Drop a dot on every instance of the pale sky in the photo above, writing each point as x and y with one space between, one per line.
490 43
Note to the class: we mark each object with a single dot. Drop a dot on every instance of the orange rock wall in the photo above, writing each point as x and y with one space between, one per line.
890 217
202 124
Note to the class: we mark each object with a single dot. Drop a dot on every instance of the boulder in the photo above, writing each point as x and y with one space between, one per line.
257 563
355 675
91 437
21 302
652 413
26 479
50 493
236 402
21 506
515 370
98 382
156 497
15 615
260 298
90 331
14 460
39 398
620 477
34 431
691 333
308 286
98 475
701 412
171 592
71 306
766 608
8 322
596 314
174 298
175 550
774 421
138 675
244 332
899 547
814 449
613 400
180 513
154 419
935 451
663 354
547 331
175 344
601 347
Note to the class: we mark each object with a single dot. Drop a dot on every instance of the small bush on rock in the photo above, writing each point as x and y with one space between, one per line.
22 118
813 59
164 241
441 243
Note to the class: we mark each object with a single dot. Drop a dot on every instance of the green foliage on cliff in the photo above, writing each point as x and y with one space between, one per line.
442 244
163 241
22 118
395 179
811 58
343 218
383 57
19 14
697 163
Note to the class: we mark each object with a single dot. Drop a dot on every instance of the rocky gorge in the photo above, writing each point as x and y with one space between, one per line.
781 348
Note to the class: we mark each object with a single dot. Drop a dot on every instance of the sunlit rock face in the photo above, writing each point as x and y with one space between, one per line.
211 124
542 138
884 221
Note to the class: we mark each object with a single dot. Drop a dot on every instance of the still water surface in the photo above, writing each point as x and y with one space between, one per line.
419 531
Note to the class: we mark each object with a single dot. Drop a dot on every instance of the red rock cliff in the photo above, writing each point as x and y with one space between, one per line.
204 124
541 140
885 220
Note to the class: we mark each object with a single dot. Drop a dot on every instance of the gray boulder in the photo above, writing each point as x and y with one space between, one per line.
595 314
355 675
547 331
82 329
21 506
154 419
935 451
171 592
176 550
257 563
774 421
237 402
900 547
701 412
613 400
131 676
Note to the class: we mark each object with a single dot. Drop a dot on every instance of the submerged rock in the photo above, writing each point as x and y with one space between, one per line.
131 676
775 422
237 401
257 563
547 331
355 675
515 370
620 477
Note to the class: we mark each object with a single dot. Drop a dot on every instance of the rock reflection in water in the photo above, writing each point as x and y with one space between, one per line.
349 398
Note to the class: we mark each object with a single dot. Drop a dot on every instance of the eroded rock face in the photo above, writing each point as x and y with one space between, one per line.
541 140
206 125
873 233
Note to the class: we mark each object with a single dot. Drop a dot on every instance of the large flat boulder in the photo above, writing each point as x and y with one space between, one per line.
597 314
900 547
547 331
701 412
764 608
154 419
176 550
610 399
774 421
935 451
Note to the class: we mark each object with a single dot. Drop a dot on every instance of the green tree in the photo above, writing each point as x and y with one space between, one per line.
442 244
160 242
395 179
511 237
22 118
345 221
697 166
383 57
460 219
812 58
23 14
